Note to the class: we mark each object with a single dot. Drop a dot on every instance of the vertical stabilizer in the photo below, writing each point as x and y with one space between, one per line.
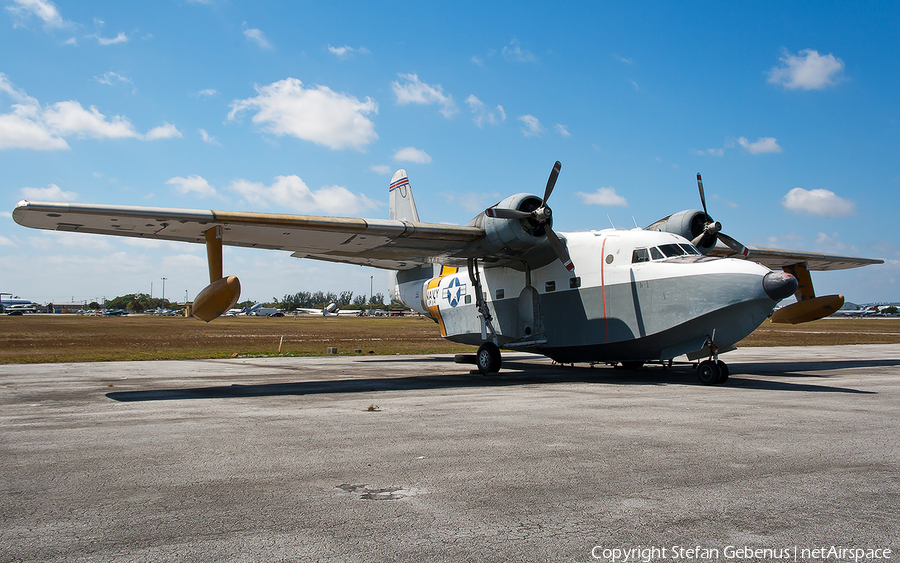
402 205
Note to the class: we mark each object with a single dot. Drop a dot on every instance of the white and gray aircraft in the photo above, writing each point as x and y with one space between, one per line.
330 310
507 280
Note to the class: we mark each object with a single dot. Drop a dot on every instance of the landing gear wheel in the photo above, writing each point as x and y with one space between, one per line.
632 365
723 372
488 358
709 373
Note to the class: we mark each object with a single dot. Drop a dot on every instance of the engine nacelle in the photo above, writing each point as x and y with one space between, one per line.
688 223
513 236
217 298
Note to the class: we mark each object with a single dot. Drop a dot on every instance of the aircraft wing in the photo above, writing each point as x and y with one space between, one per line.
776 258
381 243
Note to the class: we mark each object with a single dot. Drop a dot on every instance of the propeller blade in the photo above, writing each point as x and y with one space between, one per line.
702 195
733 244
500 213
551 181
561 251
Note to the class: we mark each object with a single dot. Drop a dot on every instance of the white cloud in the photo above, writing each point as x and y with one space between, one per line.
562 130
51 193
477 60
412 154
120 38
315 114
158 244
807 70
626 60
70 118
720 199
482 115
208 139
192 184
205 93
113 78
6 242
46 11
164 131
533 127
414 91
473 202
818 202
833 243
514 52
256 36
31 126
760 146
51 241
290 192
885 247
603 196
713 152
346 51
382 169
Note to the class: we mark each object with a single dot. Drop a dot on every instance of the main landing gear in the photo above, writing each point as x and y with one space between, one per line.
488 358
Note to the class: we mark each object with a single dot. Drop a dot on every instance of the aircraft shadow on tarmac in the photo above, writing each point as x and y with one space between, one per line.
521 372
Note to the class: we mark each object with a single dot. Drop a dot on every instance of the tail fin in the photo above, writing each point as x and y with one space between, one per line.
402 205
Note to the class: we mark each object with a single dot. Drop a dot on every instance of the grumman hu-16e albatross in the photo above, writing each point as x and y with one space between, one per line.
508 280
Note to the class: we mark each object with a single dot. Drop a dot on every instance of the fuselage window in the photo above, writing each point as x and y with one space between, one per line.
671 250
640 255
550 286
690 248
656 254
575 282
499 294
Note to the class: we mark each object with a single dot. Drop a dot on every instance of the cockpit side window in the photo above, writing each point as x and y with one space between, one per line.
671 250
690 248
640 255
656 254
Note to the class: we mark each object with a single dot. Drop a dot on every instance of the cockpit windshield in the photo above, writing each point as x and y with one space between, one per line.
671 250
663 251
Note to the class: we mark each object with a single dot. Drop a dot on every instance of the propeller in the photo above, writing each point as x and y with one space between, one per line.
539 217
712 230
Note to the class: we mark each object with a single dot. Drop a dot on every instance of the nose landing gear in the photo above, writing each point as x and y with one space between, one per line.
712 371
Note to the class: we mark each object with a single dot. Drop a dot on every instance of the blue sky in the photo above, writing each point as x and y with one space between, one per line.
789 110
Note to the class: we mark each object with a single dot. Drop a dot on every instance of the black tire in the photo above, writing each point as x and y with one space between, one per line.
723 372
708 372
488 358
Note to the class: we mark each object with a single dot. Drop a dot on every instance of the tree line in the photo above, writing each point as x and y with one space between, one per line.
318 299
139 302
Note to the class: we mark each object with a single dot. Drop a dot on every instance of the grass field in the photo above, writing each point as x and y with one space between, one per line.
70 338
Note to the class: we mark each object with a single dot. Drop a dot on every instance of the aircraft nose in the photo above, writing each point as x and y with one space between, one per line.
779 285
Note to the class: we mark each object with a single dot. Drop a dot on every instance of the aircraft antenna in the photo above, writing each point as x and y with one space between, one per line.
610 221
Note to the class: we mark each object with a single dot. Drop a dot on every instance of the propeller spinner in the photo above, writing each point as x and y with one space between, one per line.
539 217
712 230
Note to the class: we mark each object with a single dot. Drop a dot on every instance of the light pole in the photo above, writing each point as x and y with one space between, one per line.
164 289
371 282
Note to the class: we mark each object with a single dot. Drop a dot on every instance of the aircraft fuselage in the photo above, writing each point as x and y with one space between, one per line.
633 297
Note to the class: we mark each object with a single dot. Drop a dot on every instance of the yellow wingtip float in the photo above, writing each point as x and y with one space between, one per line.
217 298
808 310
222 293
808 307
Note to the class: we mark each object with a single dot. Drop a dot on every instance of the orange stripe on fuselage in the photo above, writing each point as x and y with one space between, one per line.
603 287
433 283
